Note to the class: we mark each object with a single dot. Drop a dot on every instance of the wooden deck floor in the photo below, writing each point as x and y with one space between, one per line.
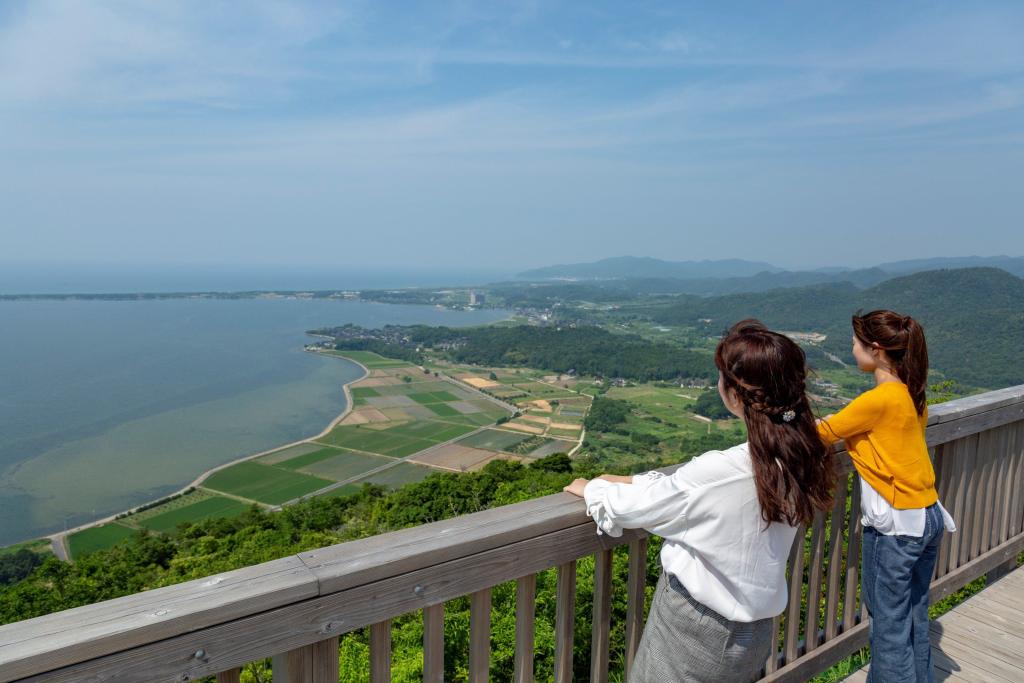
982 639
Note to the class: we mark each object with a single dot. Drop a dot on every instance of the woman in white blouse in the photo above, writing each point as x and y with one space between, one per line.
728 518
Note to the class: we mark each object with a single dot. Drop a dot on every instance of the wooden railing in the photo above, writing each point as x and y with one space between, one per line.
296 608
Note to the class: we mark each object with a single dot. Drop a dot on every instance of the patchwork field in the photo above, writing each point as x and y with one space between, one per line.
457 458
398 440
346 465
264 483
288 453
551 446
399 410
493 439
516 443
399 475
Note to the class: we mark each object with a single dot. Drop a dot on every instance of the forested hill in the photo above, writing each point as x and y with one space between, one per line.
585 350
973 317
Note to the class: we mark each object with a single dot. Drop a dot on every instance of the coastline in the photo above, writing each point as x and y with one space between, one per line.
59 540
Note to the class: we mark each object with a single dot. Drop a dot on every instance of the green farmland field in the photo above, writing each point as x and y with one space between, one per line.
213 506
306 459
346 465
403 473
263 483
380 441
398 441
442 409
494 440
98 538
433 397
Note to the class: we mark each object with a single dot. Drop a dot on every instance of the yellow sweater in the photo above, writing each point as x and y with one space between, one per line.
885 438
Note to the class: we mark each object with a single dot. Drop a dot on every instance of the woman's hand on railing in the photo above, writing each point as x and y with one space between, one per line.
576 487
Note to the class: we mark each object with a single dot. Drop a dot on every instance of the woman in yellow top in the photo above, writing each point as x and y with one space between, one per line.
903 521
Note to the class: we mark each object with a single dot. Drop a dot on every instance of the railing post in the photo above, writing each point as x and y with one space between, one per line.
791 645
526 601
637 582
380 652
316 663
565 616
852 559
837 524
814 582
230 676
601 625
480 636
433 644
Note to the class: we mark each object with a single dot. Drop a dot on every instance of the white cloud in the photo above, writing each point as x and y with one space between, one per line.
116 53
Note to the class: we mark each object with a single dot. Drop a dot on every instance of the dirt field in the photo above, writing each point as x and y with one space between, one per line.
289 453
536 418
541 405
479 382
456 458
379 382
364 415
523 428
565 425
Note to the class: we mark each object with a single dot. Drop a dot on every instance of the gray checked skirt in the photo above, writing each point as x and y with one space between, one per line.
686 641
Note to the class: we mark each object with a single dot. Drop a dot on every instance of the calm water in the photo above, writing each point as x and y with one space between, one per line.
105 405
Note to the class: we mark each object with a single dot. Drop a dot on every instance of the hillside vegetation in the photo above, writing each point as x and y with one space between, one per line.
973 317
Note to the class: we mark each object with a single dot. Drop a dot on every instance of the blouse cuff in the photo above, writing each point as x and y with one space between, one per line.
595 494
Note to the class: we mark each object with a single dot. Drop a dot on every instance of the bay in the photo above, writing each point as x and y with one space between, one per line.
108 404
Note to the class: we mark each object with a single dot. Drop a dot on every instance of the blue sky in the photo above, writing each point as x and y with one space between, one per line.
509 135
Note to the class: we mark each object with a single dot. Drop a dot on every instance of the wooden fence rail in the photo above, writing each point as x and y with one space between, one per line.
295 608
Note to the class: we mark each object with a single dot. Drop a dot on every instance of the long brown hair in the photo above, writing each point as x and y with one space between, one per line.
902 339
793 470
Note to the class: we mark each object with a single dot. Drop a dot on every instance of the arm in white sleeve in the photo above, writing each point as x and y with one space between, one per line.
648 503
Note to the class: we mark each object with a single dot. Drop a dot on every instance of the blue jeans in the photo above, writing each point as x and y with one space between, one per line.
895 573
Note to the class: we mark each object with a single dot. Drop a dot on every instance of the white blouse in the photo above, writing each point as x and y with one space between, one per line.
876 512
716 542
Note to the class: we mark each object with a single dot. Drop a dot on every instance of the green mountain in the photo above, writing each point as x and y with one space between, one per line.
1011 264
973 317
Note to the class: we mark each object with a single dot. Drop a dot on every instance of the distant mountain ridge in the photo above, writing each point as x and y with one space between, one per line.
711 278
628 267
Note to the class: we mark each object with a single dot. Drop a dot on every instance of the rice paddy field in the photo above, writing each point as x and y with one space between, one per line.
516 443
208 507
346 465
271 485
399 475
97 538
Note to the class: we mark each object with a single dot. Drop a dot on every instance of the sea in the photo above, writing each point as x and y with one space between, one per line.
108 404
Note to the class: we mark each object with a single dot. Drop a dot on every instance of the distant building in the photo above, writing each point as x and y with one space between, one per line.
809 337
476 299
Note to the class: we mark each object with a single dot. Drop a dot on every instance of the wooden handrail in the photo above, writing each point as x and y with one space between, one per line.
218 623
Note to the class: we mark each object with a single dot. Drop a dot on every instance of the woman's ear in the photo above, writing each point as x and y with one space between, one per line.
734 404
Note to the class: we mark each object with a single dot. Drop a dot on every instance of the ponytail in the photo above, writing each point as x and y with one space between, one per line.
902 339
